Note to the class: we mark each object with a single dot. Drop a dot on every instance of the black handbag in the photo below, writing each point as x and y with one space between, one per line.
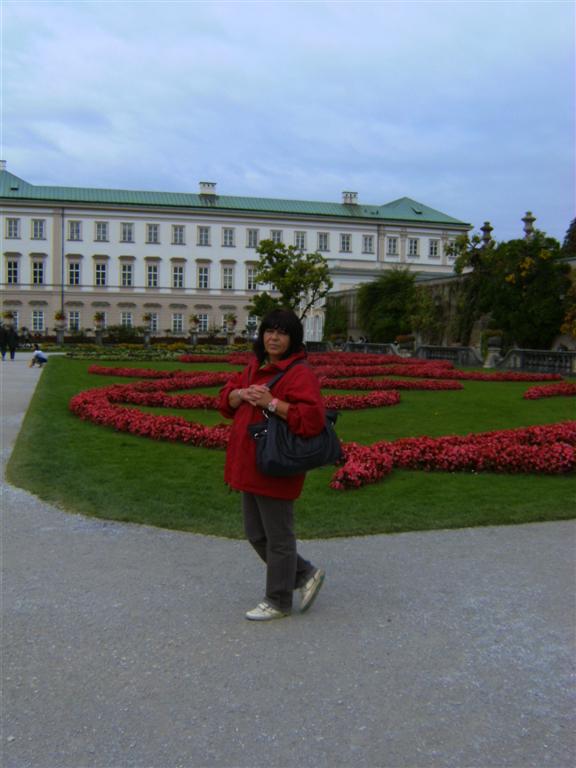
281 453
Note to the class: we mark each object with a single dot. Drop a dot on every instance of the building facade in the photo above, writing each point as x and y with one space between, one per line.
159 258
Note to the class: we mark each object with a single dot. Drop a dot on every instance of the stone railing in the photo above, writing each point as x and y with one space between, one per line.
319 346
457 355
539 361
377 349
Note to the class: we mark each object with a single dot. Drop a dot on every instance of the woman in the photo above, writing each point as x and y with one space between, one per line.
268 502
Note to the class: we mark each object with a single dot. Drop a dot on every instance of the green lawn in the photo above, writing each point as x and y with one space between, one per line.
96 471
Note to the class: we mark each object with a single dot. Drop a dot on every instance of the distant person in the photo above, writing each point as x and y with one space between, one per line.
39 358
8 341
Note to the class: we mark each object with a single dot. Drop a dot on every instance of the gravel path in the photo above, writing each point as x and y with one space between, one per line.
125 646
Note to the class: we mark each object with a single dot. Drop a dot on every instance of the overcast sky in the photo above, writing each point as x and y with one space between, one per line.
467 107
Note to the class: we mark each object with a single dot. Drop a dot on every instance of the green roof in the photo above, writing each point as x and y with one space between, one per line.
404 209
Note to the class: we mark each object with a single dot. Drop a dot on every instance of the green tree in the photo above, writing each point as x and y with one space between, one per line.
336 318
531 284
520 284
473 258
429 315
385 306
301 279
569 244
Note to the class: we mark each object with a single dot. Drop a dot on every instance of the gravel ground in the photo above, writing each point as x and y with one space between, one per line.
125 646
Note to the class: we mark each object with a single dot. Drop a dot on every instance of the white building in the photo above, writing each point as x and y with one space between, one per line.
170 255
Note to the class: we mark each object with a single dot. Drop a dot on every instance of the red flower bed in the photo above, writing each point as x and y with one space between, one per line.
362 466
565 389
357 402
97 405
386 384
207 358
549 449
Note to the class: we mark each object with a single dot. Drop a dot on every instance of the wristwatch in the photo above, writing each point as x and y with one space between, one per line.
272 405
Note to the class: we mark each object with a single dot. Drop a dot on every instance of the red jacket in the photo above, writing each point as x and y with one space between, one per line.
301 389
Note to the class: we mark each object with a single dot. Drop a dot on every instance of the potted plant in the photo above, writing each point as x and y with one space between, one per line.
60 318
231 320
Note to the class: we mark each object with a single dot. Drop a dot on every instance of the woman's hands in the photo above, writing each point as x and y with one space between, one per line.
259 396
256 394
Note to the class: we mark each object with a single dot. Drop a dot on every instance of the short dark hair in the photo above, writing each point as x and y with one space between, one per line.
283 320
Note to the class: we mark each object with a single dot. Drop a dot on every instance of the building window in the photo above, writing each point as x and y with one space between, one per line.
37 319
177 322
74 273
152 276
12 229
252 238
300 240
177 276
203 277
413 247
251 278
275 236
126 232
178 234
228 278
15 319
153 233
451 249
101 232
38 229
367 243
126 319
74 320
433 249
392 246
153 321
127 275
228 237
12 277
101 275
74 230
345 243
203 235
38 273
323 241
202 323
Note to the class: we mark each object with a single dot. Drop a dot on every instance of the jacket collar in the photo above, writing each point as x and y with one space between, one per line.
281 365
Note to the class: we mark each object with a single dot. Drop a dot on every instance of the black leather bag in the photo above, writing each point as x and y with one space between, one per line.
281 453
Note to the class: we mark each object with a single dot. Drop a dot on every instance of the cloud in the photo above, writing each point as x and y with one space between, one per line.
467 106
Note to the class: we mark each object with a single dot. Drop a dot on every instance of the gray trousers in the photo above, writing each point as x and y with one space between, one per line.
269 527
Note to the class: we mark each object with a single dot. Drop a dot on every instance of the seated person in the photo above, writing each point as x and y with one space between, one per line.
38 358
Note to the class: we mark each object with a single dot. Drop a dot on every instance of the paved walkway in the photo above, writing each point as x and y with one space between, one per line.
126 646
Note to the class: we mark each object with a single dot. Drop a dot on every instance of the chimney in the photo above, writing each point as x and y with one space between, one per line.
208 188
2 165
350 198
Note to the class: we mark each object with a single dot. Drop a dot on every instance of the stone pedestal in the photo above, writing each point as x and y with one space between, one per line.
99 333
493 357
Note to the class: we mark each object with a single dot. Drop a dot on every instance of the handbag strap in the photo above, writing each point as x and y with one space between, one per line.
282 373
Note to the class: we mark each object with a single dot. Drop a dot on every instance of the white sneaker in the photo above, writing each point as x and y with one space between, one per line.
309 591
265 612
